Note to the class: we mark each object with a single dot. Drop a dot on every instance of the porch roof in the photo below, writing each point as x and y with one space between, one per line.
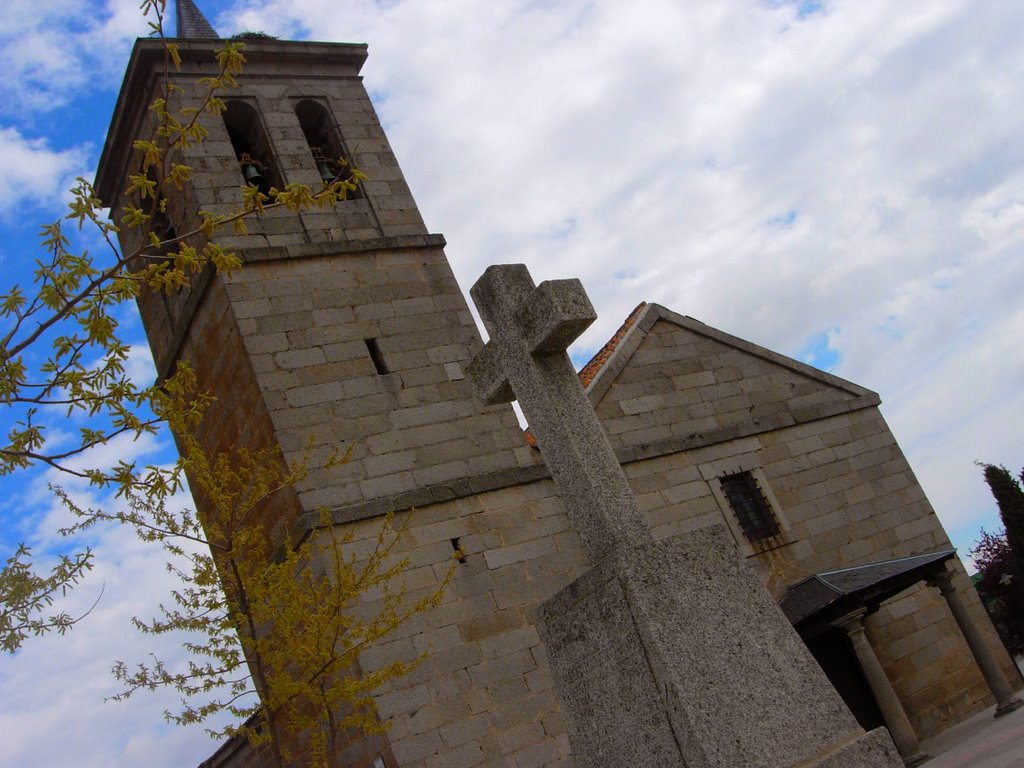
820 599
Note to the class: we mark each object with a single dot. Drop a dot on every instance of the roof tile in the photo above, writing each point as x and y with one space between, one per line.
192 25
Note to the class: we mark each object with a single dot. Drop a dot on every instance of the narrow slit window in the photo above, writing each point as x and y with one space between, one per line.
153 203
375 354
457 548
161 226
329 156
752 510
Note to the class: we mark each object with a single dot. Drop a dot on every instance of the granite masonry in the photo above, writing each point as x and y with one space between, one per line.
346 327
666 654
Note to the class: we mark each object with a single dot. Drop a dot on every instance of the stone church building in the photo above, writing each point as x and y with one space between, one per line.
346 326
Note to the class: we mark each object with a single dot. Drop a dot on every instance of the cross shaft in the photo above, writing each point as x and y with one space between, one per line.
531 328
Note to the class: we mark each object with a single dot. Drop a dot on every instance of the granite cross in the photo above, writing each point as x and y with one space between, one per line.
530 328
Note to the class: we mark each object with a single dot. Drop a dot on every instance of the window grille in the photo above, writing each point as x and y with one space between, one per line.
752 509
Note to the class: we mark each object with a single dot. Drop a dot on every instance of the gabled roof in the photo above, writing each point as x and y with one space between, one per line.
601 371
610 362
192 25
593 367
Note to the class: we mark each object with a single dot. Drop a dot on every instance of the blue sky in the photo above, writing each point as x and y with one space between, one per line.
839 181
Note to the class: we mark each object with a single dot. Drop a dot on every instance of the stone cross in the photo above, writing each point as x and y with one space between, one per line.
530 328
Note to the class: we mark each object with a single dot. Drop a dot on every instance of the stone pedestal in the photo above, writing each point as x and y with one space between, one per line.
674 654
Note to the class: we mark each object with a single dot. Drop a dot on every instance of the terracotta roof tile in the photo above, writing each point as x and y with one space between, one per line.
590 370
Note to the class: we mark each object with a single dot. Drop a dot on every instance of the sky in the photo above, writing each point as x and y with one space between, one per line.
841 182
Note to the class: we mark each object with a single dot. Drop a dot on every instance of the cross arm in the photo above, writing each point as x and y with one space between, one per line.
488 376
499 293
555 315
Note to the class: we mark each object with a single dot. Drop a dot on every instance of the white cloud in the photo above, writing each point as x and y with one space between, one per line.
62 682
140 367
648 148
59 684
53 51
30 171
857 173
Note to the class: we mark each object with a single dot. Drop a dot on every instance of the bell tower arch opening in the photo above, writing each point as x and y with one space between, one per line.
256 161
333 162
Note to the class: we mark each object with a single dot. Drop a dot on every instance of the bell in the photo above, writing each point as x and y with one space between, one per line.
326 171
252 174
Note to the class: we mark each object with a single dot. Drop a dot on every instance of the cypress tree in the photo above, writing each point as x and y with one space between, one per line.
1010 499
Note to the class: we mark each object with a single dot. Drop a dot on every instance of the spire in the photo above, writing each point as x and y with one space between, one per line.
192 24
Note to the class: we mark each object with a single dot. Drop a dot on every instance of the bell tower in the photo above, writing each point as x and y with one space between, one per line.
344 329
344 326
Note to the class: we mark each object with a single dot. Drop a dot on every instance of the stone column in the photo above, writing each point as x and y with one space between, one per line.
896 721
1006 701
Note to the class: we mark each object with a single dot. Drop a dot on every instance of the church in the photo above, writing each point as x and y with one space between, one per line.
345 326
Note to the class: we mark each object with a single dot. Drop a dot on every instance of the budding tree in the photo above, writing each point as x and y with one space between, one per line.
62 354
276 636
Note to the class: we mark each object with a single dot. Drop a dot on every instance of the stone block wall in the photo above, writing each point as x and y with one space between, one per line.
483 695
321 294
276 77
238 417
355 750
926 658
683 384
283 342
692 405
305 325
848 497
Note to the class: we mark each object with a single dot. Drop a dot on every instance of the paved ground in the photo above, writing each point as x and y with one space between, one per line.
981 742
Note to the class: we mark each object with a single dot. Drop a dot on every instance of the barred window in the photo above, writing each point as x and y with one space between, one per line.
752 509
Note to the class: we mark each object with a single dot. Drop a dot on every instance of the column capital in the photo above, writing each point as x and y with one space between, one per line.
942 581
852 621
